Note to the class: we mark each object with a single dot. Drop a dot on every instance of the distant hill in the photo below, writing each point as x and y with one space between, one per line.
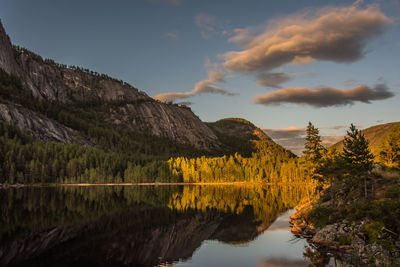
239 135
374 135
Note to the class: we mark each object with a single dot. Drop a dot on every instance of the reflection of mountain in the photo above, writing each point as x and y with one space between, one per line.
122 226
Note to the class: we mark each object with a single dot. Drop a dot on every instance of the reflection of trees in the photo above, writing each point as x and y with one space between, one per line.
266 201
132 224
43 207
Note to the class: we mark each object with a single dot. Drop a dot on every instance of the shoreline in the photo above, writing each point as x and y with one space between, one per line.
141 184
329 239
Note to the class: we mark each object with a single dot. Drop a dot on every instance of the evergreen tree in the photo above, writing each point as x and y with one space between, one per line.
356 154
314 152
357 157
313 145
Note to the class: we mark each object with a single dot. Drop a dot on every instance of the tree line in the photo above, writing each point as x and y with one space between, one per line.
266 165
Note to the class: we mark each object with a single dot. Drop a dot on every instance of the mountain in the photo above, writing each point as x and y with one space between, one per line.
128 107
62 123
374 135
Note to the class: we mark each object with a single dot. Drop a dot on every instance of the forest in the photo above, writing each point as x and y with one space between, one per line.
122 156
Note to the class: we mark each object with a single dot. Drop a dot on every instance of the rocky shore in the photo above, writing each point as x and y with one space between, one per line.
350 242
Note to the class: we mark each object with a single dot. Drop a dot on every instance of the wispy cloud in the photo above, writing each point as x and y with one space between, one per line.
338 34
215 76
174 35
285 133
327 141
209 25
293 138
274 80
325 96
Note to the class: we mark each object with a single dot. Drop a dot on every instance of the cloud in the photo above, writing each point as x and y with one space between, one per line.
285 133
274 79
215 76
209 25
291 138
327 141
296 144
325 96
174 35
338 34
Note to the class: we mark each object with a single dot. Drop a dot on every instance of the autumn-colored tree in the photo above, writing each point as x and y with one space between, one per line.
389 150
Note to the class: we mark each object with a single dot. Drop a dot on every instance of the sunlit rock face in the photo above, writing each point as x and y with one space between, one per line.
135 110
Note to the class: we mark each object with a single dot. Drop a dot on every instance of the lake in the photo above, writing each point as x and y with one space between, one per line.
190 225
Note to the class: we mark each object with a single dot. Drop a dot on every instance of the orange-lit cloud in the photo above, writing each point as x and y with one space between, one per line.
338 34
290 132
215 76
325 96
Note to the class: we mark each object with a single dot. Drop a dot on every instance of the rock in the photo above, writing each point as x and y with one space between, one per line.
54 82
39 126
326 235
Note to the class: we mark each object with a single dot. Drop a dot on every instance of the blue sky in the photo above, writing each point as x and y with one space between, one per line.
163 46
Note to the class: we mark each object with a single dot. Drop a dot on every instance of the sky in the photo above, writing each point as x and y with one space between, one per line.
278 64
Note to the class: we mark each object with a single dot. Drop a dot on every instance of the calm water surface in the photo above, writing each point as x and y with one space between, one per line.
152 226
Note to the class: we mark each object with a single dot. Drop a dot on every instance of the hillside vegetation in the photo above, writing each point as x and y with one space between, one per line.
374 135
115 154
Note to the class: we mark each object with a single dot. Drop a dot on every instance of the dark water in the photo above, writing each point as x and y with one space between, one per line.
151 226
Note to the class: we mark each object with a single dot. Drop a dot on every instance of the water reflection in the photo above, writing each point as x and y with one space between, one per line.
138 225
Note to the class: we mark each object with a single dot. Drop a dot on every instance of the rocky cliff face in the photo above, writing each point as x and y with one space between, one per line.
49 81
39 126
7 59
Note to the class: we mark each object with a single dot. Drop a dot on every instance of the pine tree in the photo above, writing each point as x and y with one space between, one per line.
356 154
357 157
314 151
313 145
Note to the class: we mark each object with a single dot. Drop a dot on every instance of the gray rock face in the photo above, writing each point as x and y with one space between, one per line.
39 126
7 60
171 121
66 85
53 82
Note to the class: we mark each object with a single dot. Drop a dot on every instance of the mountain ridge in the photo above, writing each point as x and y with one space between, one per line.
54 87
